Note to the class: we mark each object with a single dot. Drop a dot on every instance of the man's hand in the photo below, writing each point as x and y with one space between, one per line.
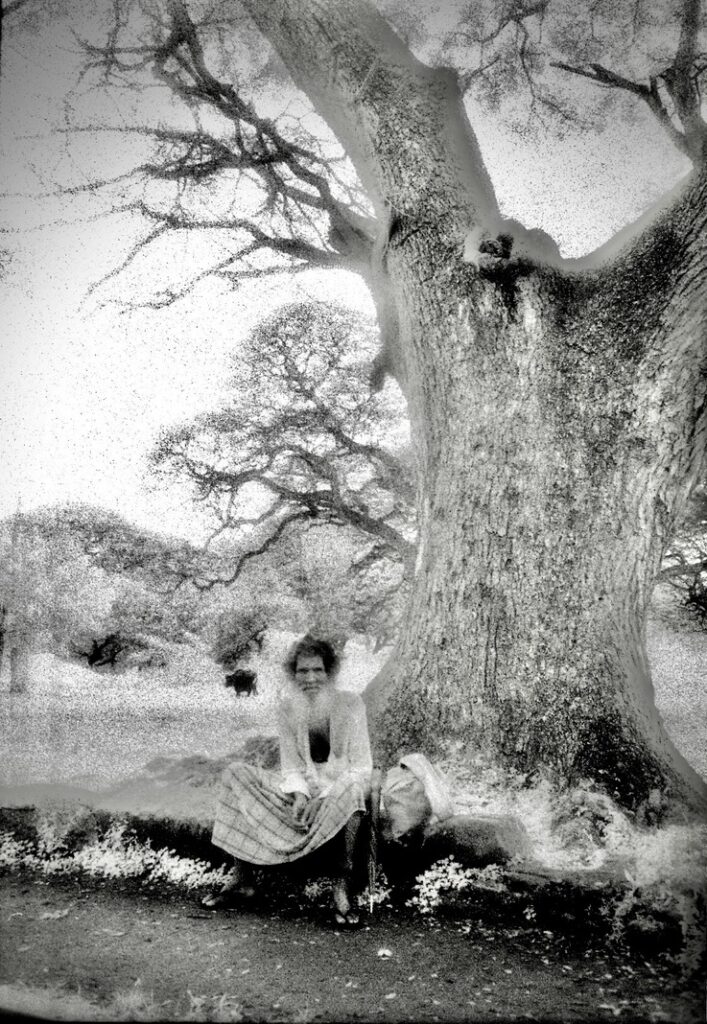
310 811
299 805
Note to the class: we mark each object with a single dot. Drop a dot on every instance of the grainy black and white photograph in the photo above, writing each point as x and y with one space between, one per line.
353 510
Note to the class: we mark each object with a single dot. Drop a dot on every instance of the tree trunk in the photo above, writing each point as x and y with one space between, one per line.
559 436
3 616
540 538
19 668
559 421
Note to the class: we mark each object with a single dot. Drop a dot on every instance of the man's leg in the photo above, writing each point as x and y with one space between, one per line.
238 883
343 888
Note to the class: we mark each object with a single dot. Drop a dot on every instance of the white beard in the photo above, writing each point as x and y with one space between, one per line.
319 707
314 708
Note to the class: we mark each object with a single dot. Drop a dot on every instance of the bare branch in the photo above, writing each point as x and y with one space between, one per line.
296 178
130 258
682 85
515 14
682 569
602 76
467 79
294 249
681 80
6 9
394 471
242 559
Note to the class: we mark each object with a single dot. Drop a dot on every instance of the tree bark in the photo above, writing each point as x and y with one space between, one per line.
559 420
561 445
3 634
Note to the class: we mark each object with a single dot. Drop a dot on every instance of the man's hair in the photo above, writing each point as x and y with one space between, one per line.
312 646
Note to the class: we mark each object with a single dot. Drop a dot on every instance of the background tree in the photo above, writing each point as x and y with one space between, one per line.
239 633
685 562
343 586
74 576
48 590
302 441
117 546
16 604
557 408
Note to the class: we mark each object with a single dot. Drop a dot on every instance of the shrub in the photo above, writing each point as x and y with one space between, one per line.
666 891
696 598
116 853
238 633
447 878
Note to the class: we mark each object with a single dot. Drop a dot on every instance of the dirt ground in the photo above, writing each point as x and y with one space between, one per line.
71 952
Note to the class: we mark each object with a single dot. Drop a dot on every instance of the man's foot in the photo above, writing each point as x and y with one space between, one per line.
344 914
231 894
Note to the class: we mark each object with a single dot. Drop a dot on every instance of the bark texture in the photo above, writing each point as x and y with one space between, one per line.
559 419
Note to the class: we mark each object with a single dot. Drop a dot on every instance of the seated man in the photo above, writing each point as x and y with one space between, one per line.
325 775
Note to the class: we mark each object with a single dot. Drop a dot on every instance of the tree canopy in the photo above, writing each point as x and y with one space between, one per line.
302 440
233 158
75 574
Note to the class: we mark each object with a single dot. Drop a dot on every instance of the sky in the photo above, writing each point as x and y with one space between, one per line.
86 386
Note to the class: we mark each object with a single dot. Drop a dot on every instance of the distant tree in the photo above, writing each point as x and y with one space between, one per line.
154 575
118 547
238 633
48 589
685 561
16 603
85 582
132 627
302 441
342 584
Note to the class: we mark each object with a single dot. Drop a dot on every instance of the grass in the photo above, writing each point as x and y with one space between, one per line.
677 649
76 725
134 1003
94 728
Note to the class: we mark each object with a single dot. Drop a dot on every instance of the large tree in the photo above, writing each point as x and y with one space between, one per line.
557 407
559 416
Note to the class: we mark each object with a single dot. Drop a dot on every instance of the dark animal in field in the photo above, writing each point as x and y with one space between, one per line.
104 652
243 682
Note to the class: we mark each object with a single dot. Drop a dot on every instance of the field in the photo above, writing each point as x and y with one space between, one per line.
91 729
96 729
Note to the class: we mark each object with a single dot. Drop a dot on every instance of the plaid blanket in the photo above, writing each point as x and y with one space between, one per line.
254 816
